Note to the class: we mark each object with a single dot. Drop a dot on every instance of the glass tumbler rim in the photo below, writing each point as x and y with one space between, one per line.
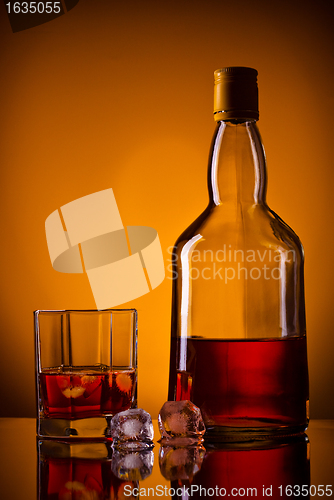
94 311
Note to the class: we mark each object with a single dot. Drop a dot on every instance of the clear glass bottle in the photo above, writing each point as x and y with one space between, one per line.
238 341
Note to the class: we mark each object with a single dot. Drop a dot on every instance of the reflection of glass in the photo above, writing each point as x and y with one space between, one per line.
238 470
79 471
86 364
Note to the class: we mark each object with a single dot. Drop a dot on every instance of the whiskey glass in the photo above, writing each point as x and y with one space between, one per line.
86 370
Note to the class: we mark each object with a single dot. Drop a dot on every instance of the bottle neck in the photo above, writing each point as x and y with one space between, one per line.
237 167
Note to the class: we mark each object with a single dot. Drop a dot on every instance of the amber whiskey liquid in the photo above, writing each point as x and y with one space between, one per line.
79 479
261 472
246 384
86 393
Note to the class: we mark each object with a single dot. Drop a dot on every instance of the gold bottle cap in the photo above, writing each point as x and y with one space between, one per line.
236 94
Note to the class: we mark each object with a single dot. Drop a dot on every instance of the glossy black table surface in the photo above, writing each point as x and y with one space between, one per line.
222 472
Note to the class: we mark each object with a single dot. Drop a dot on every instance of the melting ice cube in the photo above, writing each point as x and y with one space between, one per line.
181 420
73 385
180 463
132 430
132 465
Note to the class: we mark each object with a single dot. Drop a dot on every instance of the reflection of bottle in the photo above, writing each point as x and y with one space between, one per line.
269 470
238 347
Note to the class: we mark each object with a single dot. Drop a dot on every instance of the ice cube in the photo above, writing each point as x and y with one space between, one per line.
74 385
180 463
70 385
132 429
181 420
132 465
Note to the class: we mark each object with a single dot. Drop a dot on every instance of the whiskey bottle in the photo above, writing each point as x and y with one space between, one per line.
238 338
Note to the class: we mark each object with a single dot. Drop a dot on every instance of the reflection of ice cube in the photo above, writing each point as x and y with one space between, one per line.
132 429
132 465
181 419
180 463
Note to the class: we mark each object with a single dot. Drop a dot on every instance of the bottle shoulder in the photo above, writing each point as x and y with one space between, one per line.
195 227
246 226
283 231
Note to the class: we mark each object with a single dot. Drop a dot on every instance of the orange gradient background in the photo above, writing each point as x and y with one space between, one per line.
120 94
